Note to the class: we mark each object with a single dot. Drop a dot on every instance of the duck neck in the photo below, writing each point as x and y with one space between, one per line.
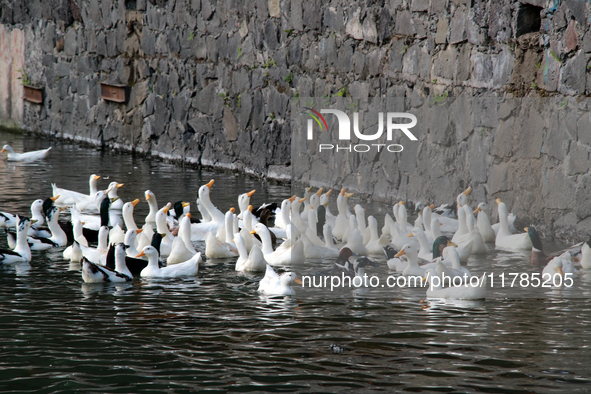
266 239
128 219
57 234
211 209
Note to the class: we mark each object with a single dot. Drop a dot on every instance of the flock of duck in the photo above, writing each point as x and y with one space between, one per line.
304 228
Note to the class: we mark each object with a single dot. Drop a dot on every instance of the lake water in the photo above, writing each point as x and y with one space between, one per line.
215 333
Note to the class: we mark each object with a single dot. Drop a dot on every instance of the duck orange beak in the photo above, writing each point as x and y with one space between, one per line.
250 208
292 198
302 199
343 192
348 195
410 235
328 193
253 232
134 202
139 230
97 177
233 210
120 185
477 210
298 280
54 198
319 192
401 253
250 193
498 201
3 150
140 254
402 203
210 183
186 204
148 196
449 243
468 190
432 206
188 215
166 208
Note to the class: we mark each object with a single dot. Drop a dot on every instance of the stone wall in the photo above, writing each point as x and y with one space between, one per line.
211 81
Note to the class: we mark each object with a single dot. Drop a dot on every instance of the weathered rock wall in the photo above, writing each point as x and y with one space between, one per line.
211 81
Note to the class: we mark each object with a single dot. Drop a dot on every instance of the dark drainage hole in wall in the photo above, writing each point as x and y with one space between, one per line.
528 19
131 4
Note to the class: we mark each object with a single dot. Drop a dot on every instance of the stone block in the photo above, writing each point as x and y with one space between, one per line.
180 106
419 5
442 28
230 125
587 42
404 25
297 21
207 100
582 193
354 28
397 50
446 62
312 17
370 32
457 32
295 51
577 161
274 8
570 37
386 25
374 61
573 76
333 18
502 67
345 54
499 21
499 179
70 44
270 35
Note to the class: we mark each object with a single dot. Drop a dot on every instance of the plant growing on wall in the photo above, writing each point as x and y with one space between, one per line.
24 77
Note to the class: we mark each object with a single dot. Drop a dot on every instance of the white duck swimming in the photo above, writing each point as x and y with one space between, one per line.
426 248
244 202
26 156
98 255
70 197
342 219
162 228
254 261
293 253
463 292
505 239
187 268
313 251
412 254
324 200
22 252
112 194
216 249
153 204
483 222
200 230
58 236
275 285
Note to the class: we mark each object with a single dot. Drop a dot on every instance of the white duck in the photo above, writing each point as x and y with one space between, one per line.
26 156
275 285
216 249
313 251
478 246
58 236
293 253
244 202
254 261
112 194
98 255
586 255
506 240
312 228
324 200
184 232
200 230
412 254
554 267
483 222
153 204
342 219
205 216
22 251
162 228
426 248
187 268
70 197
282 214
463 292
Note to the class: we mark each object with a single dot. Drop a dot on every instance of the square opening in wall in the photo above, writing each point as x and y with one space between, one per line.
131 4
528 19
